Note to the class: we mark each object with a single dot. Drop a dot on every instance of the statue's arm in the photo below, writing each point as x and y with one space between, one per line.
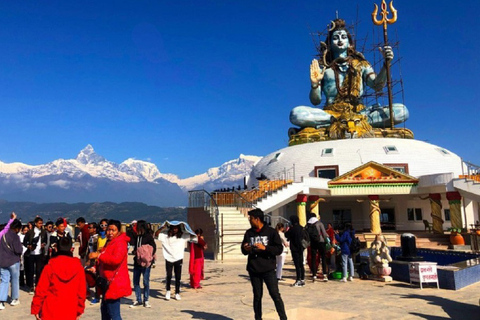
377 82
316 95
316 76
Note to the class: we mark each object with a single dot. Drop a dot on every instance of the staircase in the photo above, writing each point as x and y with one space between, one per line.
279 197
234 226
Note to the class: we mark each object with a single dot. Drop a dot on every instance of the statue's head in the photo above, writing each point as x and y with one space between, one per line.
338 40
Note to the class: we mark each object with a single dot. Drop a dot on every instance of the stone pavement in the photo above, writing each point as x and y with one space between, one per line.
226 294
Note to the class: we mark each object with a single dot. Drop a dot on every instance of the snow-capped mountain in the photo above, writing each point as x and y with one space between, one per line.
90 177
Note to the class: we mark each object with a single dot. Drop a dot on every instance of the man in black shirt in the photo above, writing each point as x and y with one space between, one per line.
262 244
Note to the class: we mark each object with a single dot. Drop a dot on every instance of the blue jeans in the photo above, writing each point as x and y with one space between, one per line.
270 280
7 275
110 309
347 260
137 271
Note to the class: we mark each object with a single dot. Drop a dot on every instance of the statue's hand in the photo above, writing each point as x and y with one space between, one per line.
387 53
316 74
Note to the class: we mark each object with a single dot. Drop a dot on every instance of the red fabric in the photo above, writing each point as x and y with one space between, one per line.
113 257
84 236
196 265
61 291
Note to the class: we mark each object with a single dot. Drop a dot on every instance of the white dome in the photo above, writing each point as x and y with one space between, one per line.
421 157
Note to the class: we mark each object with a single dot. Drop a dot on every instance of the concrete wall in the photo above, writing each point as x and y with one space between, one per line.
199 218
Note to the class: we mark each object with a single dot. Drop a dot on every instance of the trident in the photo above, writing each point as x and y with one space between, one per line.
386 21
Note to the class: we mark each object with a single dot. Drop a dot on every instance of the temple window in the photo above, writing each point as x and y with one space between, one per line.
400 167
327 172
446 213
327 152
390 149
443 151
275 158
414 214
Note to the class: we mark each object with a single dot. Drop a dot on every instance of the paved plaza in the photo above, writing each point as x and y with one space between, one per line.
226 294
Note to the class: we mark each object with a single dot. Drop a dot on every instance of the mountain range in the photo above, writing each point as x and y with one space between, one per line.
92 178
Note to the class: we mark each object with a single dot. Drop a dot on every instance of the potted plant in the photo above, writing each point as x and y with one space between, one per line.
456 237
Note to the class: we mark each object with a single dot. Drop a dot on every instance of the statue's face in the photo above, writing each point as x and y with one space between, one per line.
340 41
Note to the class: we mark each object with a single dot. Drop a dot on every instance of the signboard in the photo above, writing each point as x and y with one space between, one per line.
423 272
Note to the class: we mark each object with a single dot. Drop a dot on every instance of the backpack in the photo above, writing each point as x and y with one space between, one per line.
355 245
313 232
305 239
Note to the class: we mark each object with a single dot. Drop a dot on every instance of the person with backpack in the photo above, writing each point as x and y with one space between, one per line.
318 238
144 251
295 235
345 239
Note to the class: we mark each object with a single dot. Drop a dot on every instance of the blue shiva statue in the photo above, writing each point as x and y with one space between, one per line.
342 76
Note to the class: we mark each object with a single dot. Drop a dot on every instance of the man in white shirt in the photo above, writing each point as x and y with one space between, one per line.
35 241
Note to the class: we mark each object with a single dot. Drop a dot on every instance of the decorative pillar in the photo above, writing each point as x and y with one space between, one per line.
313 204
301 212
436 206
375 214
454 201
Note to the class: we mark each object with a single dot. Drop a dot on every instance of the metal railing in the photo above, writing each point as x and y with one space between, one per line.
203 199
473 171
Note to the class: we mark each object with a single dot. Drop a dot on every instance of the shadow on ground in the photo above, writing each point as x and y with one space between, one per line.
206 315
454 309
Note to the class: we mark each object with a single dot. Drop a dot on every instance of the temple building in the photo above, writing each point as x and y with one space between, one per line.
406 182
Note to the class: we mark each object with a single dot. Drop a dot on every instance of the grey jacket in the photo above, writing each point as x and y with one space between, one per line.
10 249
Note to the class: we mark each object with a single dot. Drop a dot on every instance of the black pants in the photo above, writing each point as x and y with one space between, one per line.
271 281
297 257
33 267
177 268
314 248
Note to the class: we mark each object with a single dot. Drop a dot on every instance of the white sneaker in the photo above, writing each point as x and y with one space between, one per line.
325 278
177 296
350 279
167 295
14 302
146 304
135 304
343 280
2 305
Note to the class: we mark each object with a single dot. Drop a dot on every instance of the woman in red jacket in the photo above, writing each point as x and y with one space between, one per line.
61 290
112 265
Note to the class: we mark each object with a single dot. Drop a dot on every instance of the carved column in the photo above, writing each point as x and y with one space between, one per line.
375 215
436 206
454 201
301 212
313 204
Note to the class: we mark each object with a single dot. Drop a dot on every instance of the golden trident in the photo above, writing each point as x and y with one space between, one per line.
385 20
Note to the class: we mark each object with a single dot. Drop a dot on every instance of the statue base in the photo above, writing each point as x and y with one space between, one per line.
381 278
307 135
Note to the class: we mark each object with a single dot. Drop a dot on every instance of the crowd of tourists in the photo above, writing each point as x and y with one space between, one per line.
39 257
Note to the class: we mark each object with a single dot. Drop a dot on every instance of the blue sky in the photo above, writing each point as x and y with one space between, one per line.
189 85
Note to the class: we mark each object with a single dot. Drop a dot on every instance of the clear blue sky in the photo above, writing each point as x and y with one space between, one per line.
189 85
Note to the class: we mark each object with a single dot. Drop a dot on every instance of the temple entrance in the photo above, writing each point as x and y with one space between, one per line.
341 217
387 218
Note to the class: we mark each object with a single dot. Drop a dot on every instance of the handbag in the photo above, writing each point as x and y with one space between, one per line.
103 283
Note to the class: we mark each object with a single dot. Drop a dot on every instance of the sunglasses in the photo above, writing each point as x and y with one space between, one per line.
103 225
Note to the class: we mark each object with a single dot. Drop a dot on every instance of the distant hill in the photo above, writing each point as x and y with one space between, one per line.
92 178
125 211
